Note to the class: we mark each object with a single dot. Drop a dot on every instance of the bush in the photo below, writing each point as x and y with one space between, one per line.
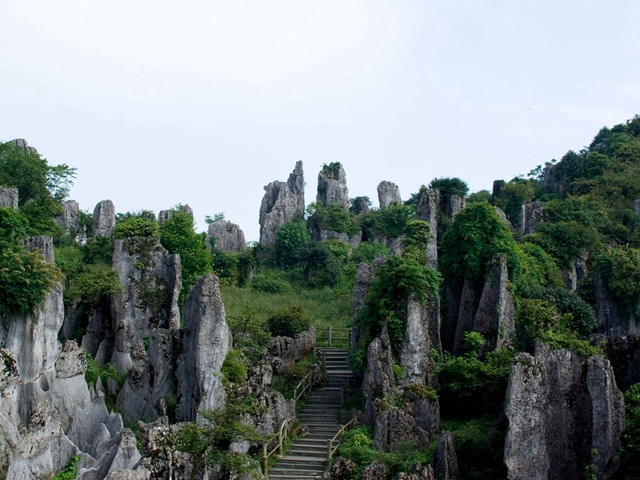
357 446
25 280
289 322
631 435
93 284
450 186
137 227
269 283
234 368
291 242
70 472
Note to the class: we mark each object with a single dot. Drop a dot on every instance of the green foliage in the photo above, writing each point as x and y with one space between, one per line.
225 265
289 322
98 250
25 280
234 369
70 472
269 282
177 236
561 337
513 195
41 187
563 240
577 314
480 196
621 267
335 218
357 446
137 227
13 228
332 170
450 186
468 386
92 284
480 447
95 370
292 240
394 282
359 205
367 252
415 242
631 435
210 441
473 341
390 222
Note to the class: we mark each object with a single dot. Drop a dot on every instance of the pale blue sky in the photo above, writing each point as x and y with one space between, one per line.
204 103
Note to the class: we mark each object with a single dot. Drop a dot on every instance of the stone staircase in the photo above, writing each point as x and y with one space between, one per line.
307 457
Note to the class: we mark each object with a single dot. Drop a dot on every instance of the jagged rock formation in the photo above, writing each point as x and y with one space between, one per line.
612 318
22 144
104 219
388 194
9 197
359 205
70 218
228 236
281 202
422 325
332 186
43 244
46 407
565 412
578 270
427 211
207 340
503 217
165 215
326 235
379 378
420 472
445 460
282 352
532 215
491 314
364 277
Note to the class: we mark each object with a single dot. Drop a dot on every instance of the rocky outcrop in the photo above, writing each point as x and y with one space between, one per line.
532 214
207 340
282 352
422 323
22 144
376 470
104 219
364 277
427 211
565 413
503 217
636 206
624 355
445 460
420 472
388 194
228 236
281 202
43 244
452 204
332 186
341 469
492 314
69 221
9 197
379 378
165 215
612 318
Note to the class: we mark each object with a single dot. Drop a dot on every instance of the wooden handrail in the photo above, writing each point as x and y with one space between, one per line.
283 434
307 385
331 337
331 451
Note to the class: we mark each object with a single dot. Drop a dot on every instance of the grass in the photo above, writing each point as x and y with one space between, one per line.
324 307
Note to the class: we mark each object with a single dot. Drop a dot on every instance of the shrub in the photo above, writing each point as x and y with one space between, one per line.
291 242
70 472
450 186
137 227
93 284
289 322
25 280
631 435
269 283
357 446
234 368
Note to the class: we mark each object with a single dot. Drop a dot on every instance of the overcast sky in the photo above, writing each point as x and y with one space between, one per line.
158 103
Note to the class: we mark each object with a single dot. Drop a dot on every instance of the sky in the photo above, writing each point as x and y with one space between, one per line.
158 103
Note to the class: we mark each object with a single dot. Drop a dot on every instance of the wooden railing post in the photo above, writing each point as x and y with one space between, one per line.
265 459
280 441
329 445
329 340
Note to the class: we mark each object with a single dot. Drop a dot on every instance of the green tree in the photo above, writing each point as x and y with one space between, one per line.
450 186
178 236
292 240
41 187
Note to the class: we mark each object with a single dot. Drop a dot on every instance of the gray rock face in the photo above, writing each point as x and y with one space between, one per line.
503 217
104 219
376 470
281 202
419 472
22 144
228 236
612 320
9 197
493 315
562 407
636 206
165 215
283 352
43 244
624 354
379 378
342 469
70 218
415 357
427 211
364 277
207 340
388 194
332 186
532 215
453 204
445 461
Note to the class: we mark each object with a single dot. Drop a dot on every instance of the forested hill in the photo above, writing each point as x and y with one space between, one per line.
494 334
